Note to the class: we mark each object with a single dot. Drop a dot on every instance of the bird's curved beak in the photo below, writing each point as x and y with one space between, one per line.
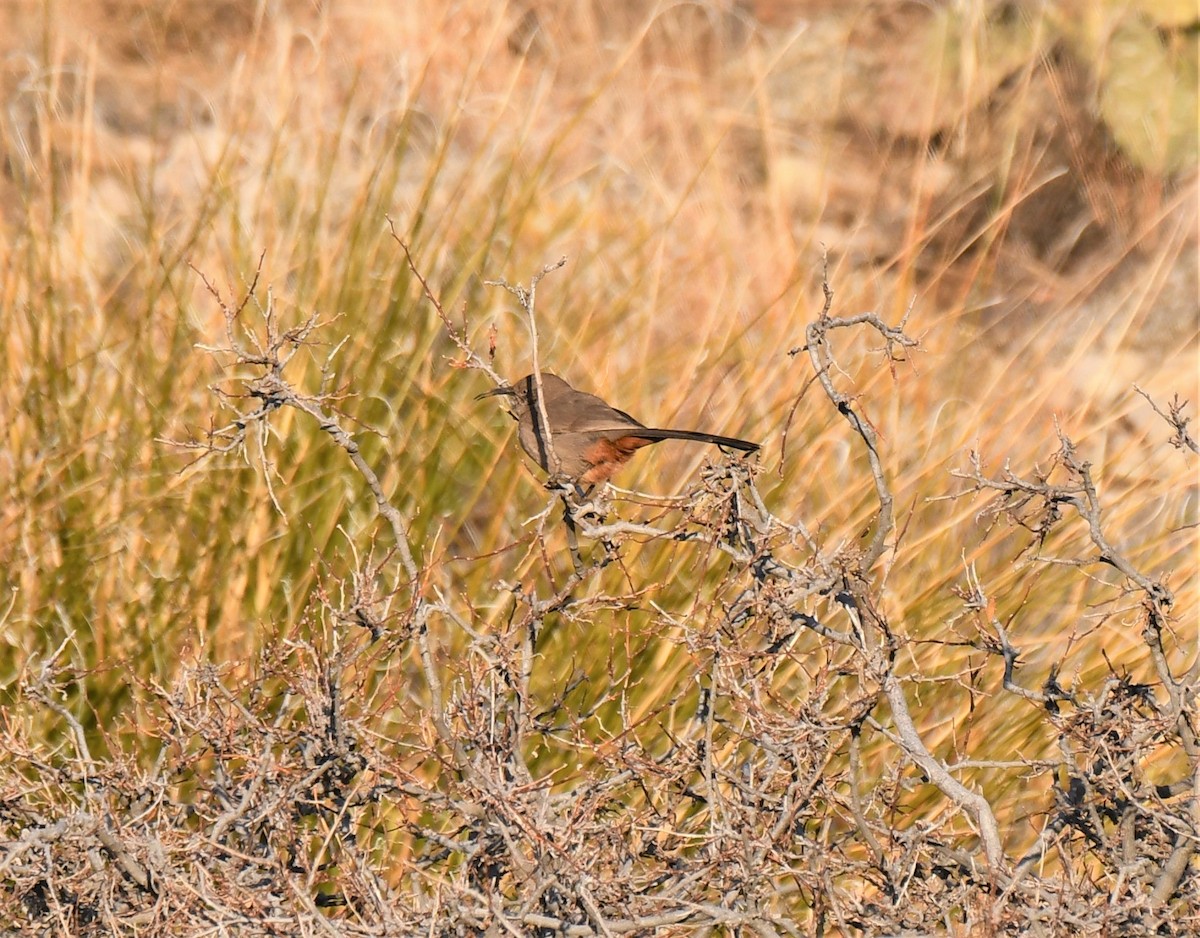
494 392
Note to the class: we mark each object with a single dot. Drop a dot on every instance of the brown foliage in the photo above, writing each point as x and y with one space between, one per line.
394 768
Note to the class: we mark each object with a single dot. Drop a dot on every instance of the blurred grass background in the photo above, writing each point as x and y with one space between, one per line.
1022 175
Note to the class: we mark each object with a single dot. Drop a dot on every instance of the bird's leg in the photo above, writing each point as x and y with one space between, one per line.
576 506
569 520
572 538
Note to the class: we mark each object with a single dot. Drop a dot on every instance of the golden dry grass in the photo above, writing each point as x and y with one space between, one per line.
692 163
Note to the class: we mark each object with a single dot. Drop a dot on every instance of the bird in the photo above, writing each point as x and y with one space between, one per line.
589 439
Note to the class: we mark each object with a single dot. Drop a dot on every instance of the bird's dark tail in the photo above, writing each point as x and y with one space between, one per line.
653 434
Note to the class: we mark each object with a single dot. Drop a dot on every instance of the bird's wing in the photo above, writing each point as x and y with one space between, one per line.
586 413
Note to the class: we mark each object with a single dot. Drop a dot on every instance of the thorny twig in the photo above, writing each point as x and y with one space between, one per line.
1174 416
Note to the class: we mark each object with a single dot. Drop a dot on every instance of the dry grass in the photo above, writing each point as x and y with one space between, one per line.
692 163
